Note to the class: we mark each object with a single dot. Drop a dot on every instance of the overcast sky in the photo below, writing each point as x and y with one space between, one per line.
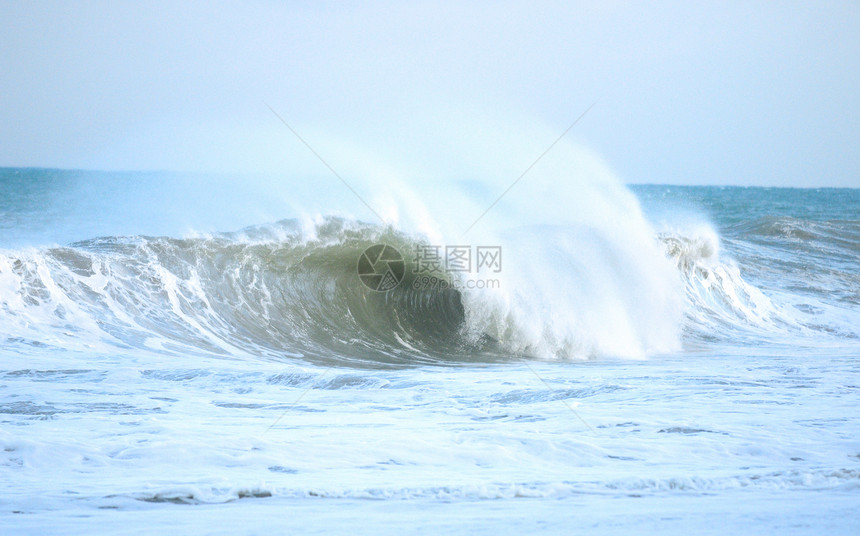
757 93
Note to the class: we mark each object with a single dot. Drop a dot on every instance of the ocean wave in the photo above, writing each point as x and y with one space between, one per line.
293 290
722 304
718 297
844 233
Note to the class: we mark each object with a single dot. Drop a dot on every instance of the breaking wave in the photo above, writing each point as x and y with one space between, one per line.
291 290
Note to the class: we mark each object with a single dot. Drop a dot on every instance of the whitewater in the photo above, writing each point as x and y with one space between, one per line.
637 359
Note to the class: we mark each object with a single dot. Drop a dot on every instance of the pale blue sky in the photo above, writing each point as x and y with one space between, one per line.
718 93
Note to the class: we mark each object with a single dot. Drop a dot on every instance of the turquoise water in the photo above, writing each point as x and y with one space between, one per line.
172 363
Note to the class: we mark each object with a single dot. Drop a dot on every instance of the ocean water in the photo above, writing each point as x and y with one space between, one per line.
188 355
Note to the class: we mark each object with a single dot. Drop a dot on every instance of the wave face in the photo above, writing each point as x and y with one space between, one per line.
271 291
